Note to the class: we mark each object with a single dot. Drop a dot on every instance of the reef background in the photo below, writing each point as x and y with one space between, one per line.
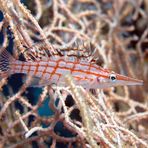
111 33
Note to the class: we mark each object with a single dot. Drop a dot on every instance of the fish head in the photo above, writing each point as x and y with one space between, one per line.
112 79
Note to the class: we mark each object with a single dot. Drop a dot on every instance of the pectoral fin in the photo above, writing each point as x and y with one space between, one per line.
37 82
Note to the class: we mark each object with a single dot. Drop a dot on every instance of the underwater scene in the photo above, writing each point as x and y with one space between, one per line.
73 73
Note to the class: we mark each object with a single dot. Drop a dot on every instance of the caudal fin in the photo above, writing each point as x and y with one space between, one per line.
5 66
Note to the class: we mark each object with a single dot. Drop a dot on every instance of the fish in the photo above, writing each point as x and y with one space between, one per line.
52 70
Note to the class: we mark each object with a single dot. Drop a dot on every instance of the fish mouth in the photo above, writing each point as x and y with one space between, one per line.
129 83
128 80
120 83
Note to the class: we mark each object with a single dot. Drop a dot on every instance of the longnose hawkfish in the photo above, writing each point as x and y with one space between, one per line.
86 74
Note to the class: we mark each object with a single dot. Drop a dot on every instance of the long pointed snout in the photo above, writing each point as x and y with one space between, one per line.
128 80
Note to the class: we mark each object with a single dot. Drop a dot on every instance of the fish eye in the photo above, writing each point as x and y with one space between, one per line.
112 77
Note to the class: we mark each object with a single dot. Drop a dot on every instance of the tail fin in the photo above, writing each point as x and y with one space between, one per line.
5 60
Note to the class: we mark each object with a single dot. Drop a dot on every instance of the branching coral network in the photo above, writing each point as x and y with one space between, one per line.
112 34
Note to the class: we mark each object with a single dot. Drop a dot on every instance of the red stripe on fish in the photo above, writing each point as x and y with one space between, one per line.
52 70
